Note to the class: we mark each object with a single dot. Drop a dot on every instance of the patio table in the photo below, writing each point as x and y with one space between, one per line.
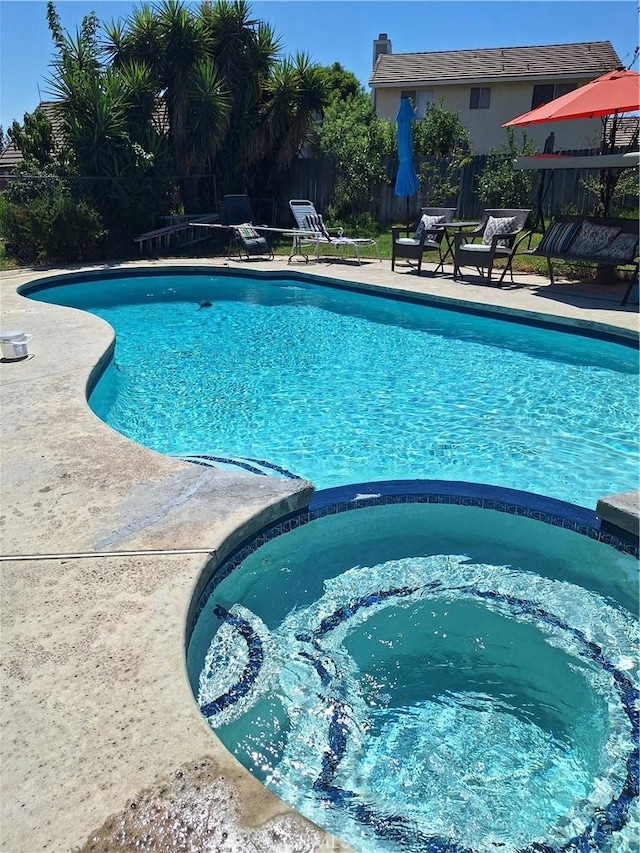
450 230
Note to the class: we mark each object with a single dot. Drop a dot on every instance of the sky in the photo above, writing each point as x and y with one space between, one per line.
333 31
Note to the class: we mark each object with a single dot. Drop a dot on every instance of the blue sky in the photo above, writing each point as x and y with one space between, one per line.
334 30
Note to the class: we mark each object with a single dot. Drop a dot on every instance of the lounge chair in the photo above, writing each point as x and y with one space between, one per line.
498 234
236 214
313 233
425 236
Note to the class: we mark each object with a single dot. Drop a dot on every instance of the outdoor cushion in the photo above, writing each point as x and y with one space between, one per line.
247 231
498 225
427 223
315 223
623 246
593 238
475 247
411 241
558 237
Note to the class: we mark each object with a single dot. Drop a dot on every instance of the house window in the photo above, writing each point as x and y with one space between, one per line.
545 92
411 95
426 97
480 98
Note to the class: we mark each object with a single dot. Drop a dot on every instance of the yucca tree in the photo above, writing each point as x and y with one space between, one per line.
192 102
245 52
295 97
106 121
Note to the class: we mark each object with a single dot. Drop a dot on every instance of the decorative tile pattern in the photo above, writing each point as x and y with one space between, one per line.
392 492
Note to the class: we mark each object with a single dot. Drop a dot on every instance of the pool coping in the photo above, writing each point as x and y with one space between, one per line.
92 520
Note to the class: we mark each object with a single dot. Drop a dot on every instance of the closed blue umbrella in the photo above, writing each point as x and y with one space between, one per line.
407 183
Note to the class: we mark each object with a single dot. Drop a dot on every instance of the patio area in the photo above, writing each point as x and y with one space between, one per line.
103 541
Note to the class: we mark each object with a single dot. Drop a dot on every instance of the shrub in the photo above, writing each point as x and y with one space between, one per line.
41 221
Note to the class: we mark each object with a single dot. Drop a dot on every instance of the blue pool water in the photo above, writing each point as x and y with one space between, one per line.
339 387
431 679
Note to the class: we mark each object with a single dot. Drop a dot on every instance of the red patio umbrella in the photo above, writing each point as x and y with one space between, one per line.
615 92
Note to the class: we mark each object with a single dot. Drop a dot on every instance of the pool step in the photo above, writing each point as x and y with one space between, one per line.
253 466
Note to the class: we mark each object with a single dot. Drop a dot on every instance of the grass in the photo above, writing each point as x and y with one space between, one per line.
282 246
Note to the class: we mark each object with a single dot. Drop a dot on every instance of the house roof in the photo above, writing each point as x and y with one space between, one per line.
495 64
11 156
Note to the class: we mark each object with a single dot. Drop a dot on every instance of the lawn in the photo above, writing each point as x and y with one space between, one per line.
282 246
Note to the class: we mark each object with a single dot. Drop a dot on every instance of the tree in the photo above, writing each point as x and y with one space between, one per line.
442 138
352 134
169 45
34 139
232 108
500 185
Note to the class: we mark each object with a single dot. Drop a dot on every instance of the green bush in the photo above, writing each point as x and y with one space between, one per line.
41 222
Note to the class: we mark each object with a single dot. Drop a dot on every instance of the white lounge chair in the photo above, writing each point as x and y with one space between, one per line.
313 233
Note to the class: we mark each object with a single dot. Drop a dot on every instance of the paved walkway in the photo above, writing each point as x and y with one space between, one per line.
103 542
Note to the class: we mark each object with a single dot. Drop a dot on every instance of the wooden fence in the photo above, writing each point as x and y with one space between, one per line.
314 178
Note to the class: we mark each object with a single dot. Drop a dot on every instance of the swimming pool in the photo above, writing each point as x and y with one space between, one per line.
292 378
416 671
514 644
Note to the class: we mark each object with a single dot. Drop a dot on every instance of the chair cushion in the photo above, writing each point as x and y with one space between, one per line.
411 241
557 238
623 246
314 222
475 247
247 231
593 238
498 225
427 223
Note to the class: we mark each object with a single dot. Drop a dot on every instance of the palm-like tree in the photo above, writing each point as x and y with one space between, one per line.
171 42
209 83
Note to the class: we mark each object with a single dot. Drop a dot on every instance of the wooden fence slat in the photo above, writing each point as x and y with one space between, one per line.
314 178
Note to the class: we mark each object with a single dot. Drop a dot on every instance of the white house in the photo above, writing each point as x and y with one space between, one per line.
490 86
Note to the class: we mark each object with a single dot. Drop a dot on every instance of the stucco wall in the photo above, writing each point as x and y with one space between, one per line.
508 100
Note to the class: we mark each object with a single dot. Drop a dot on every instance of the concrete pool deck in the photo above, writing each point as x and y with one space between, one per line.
103 746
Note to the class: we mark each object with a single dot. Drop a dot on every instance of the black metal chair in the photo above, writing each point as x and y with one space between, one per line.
412 247
237 215
498 239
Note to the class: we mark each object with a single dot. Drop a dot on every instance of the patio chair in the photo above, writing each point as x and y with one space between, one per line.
498 232
424 237
313 233
236 209
236 214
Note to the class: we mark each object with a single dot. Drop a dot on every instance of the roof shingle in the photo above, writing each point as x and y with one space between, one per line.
499 63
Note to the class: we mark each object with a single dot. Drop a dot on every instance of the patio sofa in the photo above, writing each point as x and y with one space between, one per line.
605 241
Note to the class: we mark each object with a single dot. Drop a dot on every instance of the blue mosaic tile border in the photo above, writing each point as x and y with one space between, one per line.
392 492
604 822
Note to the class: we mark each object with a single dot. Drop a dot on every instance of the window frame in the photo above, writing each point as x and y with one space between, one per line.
482 99
557 90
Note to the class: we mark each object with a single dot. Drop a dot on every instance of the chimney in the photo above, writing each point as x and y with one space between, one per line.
381 45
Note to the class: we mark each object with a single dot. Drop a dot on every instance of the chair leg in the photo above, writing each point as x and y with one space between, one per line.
504 271
550 270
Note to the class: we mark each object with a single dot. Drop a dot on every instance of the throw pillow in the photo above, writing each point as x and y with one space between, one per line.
314 223
557 238
427 223
623 246
247 231
498 225
593 238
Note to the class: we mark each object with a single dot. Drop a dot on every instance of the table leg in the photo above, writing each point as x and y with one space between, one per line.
448 253
296 250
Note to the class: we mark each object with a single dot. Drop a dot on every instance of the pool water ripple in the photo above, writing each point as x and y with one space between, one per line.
341 387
